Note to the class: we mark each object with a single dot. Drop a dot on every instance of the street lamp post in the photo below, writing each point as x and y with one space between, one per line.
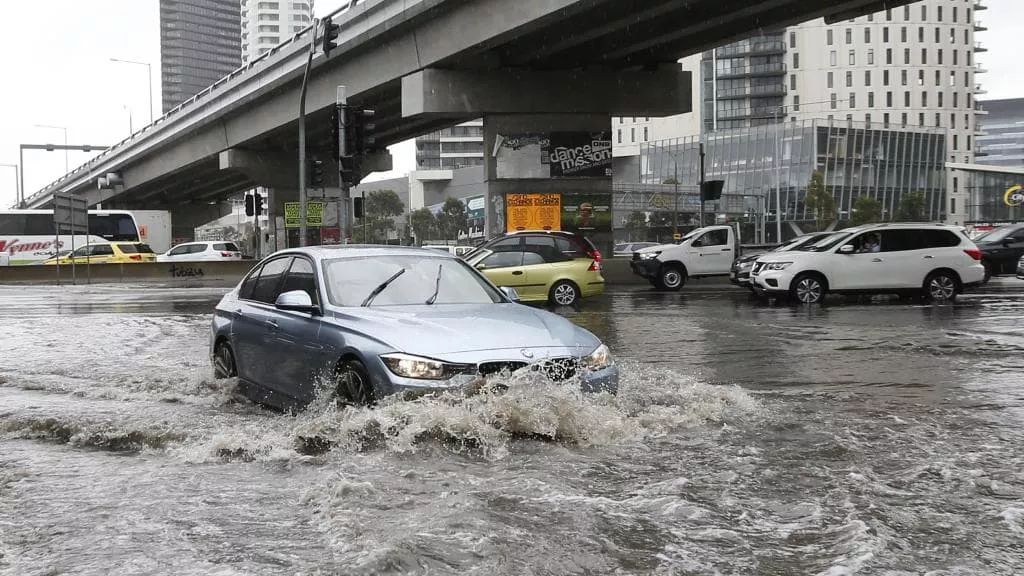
65 130
149 85
17 187
778 177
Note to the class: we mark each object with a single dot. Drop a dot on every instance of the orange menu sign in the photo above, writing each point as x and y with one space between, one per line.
533 212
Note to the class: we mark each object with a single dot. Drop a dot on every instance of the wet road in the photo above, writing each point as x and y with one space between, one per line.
872 437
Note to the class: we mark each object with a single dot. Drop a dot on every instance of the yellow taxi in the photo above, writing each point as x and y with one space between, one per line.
109 253
543 266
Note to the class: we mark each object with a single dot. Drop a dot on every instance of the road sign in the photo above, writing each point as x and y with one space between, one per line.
314 214
70 214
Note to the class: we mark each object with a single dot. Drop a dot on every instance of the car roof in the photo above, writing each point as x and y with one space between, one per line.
363 251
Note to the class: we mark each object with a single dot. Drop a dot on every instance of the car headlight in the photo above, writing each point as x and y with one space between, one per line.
649 255
419 368
600 358
777 265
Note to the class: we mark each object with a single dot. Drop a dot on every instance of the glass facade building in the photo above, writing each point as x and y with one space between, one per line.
995 194
854 159
1001 142
200 43
452 148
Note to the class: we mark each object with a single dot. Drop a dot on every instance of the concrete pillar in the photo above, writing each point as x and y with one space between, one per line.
564 154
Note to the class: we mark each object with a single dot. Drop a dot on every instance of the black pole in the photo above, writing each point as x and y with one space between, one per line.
302 137
701 185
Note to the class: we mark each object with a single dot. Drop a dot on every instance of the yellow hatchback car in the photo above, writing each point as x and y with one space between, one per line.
110 253
555 267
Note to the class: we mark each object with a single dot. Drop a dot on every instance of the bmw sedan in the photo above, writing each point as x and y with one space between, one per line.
374 321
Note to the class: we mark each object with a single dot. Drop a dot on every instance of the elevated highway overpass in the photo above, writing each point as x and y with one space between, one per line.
423 65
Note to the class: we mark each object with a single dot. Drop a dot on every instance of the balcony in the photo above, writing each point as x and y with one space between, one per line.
979 69
751 91
756 112
747 48
978 6
978 90
979 27
771 69
979 110
979 48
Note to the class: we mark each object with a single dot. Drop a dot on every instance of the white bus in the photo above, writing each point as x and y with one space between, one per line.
29 236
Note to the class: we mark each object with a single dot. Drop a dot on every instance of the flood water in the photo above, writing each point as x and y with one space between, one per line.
858 437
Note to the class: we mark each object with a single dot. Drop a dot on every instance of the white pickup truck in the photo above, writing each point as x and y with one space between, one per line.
707 251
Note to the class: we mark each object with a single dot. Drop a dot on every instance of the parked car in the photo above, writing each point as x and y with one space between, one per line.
1001 248
459 251
934 260
739 274
107 253
627 248
382 320
201 252
707 251
543 266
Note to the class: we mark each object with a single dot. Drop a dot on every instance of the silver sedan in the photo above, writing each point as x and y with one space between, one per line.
374 321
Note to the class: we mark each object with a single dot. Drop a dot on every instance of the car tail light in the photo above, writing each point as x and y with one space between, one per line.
137 257
974 253
226 254
595 266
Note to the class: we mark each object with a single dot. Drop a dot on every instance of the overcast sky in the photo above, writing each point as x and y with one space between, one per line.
56 70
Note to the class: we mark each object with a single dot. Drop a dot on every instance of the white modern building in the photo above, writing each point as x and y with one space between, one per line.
266 24
910 67
460 146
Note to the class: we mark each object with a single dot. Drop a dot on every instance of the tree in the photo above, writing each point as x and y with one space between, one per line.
912 207
452 219
381 207
636 226
819 201
423 224
866 210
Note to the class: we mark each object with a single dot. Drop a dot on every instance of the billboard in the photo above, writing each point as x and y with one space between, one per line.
586 212
554 155
533 212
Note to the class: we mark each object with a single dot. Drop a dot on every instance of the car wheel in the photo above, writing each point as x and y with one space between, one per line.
224 361
808 289
988 271
941 287
353 386
671 278
564 293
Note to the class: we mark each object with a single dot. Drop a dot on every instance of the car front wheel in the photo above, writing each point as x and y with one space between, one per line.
564 293
224 361
353 384
671 277
941 287
808 289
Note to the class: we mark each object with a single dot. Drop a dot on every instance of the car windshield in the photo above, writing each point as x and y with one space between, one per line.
351 280
995 235
828 242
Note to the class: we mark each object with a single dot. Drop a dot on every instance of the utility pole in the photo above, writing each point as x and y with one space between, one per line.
701 187
302 136
778 178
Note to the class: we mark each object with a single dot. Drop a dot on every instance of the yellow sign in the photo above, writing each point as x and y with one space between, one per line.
1014 197
533 212
314 214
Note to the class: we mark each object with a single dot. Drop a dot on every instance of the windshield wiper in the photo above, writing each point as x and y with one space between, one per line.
383 285
437 286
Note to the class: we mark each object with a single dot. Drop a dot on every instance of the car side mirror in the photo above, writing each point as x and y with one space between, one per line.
510 293
296 301
847 249
1008 241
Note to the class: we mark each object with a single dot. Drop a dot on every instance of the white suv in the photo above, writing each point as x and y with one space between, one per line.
933 260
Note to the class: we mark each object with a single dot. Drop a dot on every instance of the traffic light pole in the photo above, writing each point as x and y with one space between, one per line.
302 136
701 187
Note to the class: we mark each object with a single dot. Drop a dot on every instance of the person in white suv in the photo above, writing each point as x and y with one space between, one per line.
933 260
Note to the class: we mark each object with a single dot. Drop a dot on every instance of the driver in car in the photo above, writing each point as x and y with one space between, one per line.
870 244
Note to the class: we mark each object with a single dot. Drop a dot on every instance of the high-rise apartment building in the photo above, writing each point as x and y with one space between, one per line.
199 44
456 147
1001 142
266 24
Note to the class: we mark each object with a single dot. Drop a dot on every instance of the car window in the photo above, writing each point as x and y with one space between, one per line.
101 250
83 251
544 248
266 289
939 239
503 260
197 248
229 247
245 291
902 240
300 277
128 248
621 247
713 238
506 245
179 250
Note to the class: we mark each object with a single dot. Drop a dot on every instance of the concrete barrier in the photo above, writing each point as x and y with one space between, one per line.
178 274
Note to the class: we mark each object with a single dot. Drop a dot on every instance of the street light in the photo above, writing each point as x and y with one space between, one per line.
65 130
17 192
149 84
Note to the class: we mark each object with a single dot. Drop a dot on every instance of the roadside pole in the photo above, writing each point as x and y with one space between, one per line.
302 136
341 101
701 186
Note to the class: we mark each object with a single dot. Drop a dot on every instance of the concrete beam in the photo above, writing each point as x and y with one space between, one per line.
440 93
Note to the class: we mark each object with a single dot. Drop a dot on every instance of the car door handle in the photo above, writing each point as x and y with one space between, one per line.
517 273
877 260
726 249
270 324
928 257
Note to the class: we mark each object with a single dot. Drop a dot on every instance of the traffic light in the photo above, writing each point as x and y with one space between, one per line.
330 38
712 190
316 173
353 138
357 207
250 205
258 207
